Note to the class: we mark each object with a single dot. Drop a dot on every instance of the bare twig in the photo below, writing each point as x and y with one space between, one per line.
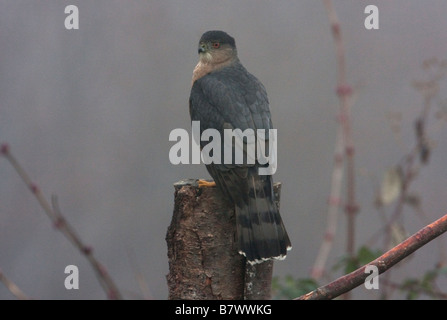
383 263
344 140
12 287
411 163
334 203
63 226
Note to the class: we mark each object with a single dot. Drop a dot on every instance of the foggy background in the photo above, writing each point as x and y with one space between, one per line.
88 113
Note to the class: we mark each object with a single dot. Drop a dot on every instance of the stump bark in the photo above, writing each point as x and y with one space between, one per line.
204 263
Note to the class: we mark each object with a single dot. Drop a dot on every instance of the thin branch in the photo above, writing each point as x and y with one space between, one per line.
12 287
334 203
383 263
55 215
344 92
412 162
343 140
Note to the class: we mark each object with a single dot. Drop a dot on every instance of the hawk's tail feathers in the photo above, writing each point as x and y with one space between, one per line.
260 230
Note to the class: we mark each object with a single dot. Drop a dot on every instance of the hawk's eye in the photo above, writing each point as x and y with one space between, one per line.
216 45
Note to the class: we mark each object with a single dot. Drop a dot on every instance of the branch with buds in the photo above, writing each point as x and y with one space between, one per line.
61 224
383 263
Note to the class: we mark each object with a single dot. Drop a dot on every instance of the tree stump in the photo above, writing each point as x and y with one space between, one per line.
204 263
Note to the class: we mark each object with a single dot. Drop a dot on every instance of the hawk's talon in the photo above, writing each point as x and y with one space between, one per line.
206 184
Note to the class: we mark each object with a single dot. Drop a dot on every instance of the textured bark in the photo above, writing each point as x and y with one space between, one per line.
383 263
258 281
203 260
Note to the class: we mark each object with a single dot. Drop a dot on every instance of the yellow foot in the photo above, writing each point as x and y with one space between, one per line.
206 184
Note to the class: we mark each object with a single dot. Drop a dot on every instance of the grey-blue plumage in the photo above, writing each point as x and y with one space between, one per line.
229 97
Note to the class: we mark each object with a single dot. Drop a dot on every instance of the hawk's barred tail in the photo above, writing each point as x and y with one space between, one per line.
260 231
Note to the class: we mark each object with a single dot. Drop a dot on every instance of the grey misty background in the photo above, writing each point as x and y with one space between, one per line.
88 114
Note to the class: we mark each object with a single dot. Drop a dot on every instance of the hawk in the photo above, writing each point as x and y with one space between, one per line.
224 95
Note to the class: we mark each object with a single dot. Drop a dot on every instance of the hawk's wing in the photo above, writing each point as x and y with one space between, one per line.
230 95
232 98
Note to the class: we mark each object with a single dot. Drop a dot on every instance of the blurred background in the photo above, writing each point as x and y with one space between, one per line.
88 113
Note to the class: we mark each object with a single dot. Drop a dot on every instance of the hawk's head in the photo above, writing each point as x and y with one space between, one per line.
216 47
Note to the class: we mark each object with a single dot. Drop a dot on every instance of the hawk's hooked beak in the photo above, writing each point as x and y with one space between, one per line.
202 48
204 53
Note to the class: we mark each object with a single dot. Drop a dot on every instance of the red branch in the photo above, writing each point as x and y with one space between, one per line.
12 287
344 153
383 263
62 225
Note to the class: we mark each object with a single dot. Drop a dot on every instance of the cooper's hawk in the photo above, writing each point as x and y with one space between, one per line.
225 95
